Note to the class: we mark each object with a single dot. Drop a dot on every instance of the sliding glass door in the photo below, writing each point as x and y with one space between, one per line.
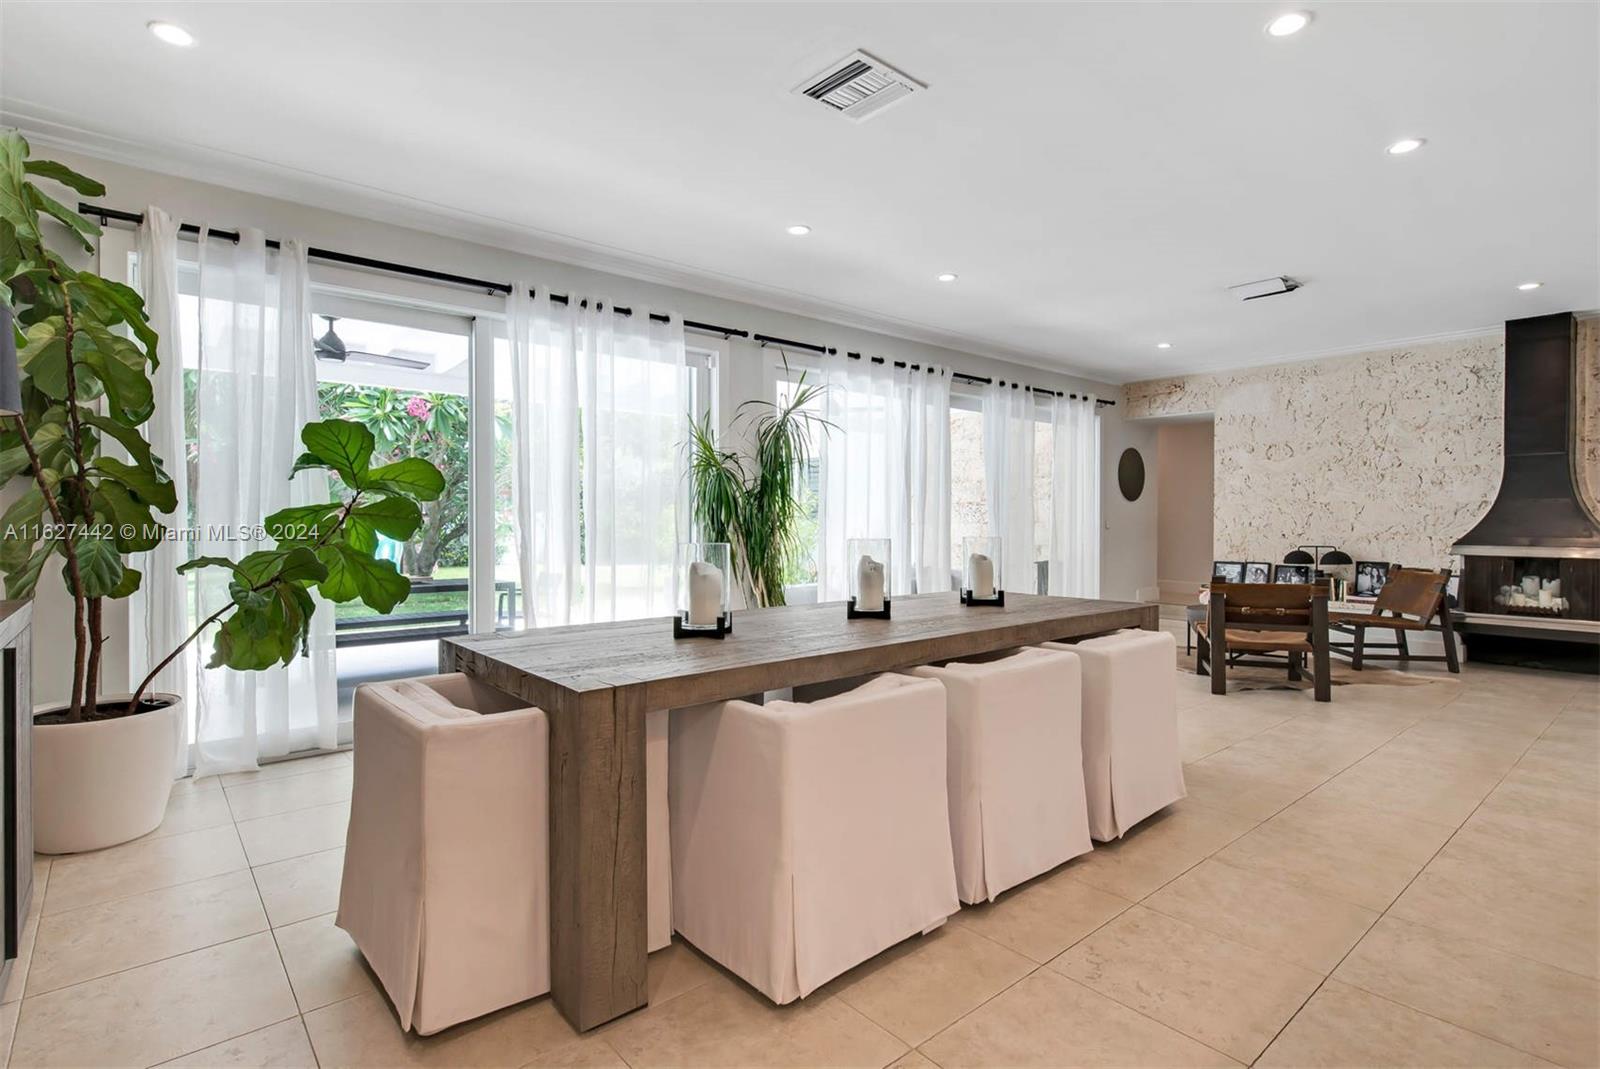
406 374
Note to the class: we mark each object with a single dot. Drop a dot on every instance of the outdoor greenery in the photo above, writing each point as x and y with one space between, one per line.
86 384
761 514
433 426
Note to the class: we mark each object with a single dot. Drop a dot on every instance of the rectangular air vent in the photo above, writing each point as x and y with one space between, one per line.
859 86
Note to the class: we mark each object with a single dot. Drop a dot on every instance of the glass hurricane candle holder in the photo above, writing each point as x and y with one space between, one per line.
980 572
705 590
869 566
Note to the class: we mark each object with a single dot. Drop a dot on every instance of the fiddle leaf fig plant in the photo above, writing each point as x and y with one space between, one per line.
86 351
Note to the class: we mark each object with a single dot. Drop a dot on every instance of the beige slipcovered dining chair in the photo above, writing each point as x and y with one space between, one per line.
1132 761
808 837
446 872
1015 782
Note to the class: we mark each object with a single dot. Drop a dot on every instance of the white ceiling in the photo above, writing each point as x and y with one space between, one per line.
1096 174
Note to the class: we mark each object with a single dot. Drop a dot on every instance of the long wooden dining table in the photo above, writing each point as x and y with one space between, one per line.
596 682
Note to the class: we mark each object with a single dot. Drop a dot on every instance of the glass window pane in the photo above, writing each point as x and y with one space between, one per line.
969 507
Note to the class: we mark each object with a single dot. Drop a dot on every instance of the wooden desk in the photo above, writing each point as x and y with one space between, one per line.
597 682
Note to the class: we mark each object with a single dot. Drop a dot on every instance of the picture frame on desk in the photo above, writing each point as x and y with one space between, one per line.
1370 577
1228 571
1257 571
1292 573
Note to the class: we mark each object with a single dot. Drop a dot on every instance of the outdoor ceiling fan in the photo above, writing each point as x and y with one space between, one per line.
332 347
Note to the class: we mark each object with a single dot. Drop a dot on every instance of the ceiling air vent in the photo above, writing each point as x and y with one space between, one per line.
1266 287
859 86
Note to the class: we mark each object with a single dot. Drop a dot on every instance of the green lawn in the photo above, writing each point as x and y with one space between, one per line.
445 601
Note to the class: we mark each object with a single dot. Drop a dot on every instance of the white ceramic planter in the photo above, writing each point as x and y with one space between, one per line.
103 782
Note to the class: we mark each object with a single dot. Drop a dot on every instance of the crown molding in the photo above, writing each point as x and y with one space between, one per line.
268 178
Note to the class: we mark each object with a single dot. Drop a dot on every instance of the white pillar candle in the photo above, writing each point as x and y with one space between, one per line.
869 584
705 594
1530 585
981 568
1547 600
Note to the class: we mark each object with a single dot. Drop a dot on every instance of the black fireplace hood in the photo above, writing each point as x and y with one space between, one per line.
1539 510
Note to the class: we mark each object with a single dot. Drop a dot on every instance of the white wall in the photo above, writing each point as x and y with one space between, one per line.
1128 536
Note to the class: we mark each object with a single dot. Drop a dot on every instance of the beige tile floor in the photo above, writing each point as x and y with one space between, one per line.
1409 875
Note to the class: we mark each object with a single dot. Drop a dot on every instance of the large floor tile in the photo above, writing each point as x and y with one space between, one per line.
18 978
1215 723
1227 995
302 831
363 1031
280 1046
1159 849
157 1012
1292 923
1242 787
928 982
1355 853
1047 1020
323 963
301 887
1343 1026
1534 1007
674 969
1522 793
295 766
1301 750
590 1052
265 798
725 1023
1043 917
142 865
81 944
1477 891
192 810
1402 783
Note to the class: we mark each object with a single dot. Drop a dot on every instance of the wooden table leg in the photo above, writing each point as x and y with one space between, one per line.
598 894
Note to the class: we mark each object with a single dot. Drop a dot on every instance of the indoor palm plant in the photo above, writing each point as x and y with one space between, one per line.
102 763
760 513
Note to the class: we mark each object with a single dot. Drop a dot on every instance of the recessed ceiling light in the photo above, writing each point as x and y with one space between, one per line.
1163 345
1530 286
1289 23
947 277
799 230
171 33
1405 145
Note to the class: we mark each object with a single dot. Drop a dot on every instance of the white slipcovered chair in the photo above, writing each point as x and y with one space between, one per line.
1015 767
809 837
446 887
1132 762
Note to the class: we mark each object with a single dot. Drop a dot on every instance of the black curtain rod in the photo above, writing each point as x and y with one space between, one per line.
106 215
390 267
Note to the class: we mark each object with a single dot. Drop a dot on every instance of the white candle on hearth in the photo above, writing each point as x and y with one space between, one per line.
982 571
869 585
705 594
1547 600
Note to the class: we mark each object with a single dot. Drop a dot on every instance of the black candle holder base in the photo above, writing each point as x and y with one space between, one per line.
853 613
681 628
999 598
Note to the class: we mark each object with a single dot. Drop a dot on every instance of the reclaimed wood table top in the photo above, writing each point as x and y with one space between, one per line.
770 648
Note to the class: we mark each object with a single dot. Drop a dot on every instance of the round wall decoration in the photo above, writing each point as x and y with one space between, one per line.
1130 474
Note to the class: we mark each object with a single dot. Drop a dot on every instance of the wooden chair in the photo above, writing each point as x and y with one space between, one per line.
1246 618
1409 601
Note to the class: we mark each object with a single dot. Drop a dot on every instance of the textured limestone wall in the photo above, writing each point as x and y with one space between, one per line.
1391 454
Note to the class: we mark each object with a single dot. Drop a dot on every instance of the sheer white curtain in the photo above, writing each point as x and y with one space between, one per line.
885 473
633 390
256 389
619 385
544 487
158 611
1075 527
1008 415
